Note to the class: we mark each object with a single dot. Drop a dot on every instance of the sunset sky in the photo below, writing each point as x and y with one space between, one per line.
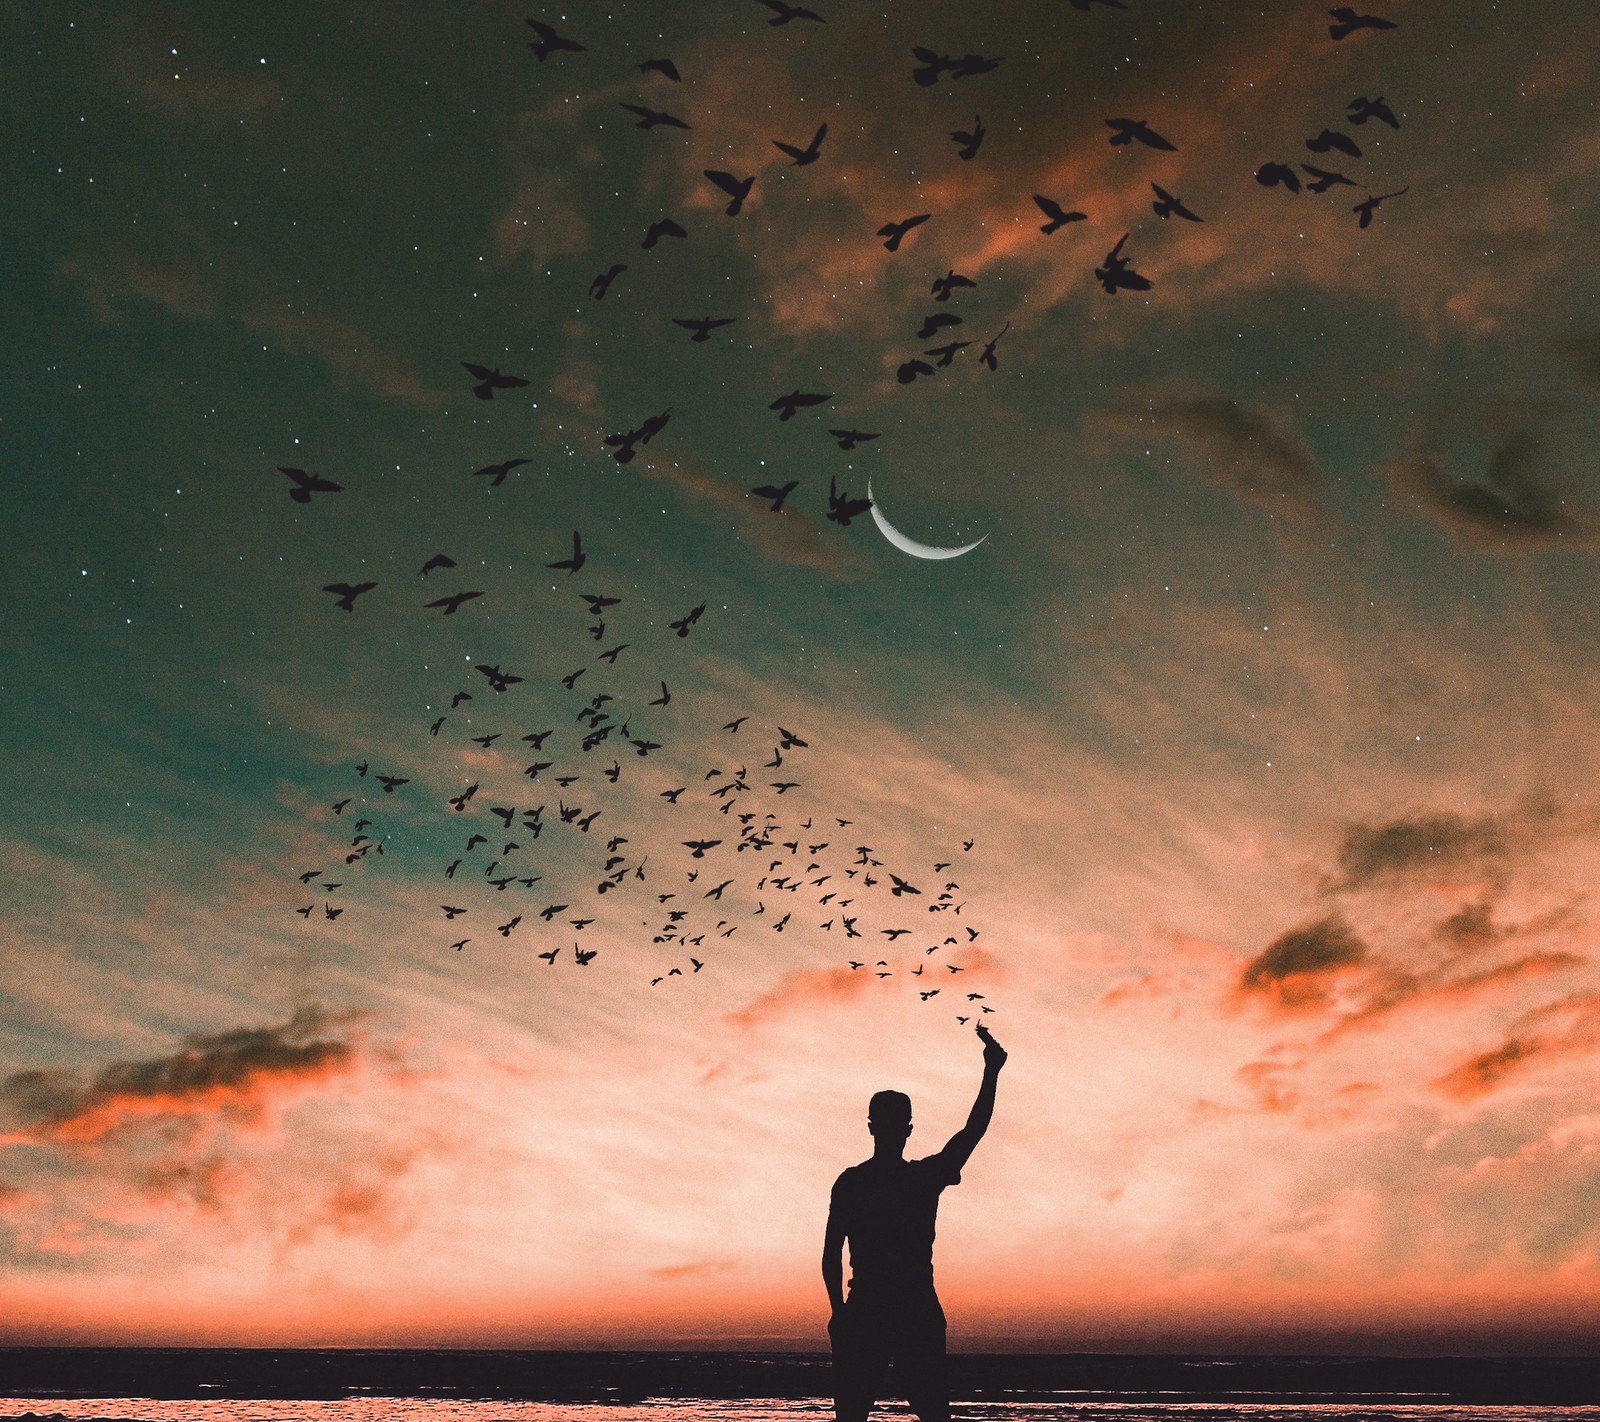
1267 702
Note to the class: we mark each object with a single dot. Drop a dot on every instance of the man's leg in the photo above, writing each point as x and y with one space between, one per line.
860 1362
920 1366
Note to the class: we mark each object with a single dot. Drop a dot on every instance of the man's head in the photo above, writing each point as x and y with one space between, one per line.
889 1118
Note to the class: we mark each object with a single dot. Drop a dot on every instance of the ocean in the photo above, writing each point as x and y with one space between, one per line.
407 1385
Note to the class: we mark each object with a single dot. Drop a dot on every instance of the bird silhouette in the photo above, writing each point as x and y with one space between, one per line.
576 561
682 625
654 118
950 281
777 495
932 325
1347 22
1166 205
1360 109
491 380
664 67
1325 179
1116 275
1328 139
908 371
453 602
439 560
703 327
970 139
783 13
810 153
988 356
736 188
842 508
1125 131
1057 215
549 42
308 484
1274 175
496 473
849 439
896 231
1370 206
665 227
786 405
602 283
347 593
948 353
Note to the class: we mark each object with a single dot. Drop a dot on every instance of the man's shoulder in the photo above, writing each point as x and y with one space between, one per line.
940 1167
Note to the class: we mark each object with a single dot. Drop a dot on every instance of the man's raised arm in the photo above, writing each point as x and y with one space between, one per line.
965 1141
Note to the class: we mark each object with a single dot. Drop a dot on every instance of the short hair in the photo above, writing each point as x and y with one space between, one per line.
887 1106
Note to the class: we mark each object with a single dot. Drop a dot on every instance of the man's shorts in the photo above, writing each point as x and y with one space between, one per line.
871 1332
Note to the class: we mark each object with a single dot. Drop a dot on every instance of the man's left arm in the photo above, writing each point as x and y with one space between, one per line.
961 1145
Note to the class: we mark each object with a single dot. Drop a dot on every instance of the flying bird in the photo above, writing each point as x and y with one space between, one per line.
849 439
969 139
454 601
491 380
736 188
576 561
782 13
810 153
664 67
1117 275
988 355
777 495
950 281
602 283
909 370
1346 22
549 42
1125 131
684 623
654 118
1329 139
842 508
896 231
1326 179
308 484
786 405
496 473
703 327
1370 206
666 227
1058 216
1273 175
1166 205
1360 109
347 593
439 560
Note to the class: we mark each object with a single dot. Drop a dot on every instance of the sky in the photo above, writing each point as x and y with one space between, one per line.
1266 701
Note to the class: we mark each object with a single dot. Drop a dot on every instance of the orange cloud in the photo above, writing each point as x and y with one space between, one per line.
1296 970
801 988
1558 1031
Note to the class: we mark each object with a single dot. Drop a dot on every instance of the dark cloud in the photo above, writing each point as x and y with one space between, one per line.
1557 1031
1421 847
233 1068
1471 926
1512 504
1246 452
1293 970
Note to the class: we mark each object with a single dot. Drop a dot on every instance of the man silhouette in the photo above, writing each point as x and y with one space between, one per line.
885 1207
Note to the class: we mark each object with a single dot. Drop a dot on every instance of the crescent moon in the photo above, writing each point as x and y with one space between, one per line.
910 545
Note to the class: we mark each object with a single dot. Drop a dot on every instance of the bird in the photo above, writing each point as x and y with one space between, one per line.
308 484
1325 179
777 495
1125 131
654 118
1329 139
842 508
703 327
810 153
347 593
736 188
909 370
1367 208
988 355
1273 175
391 782
969 139
665 227
782 13
932 325
496 473
948 353
1346 22
602 283
451 603
849 439
1117 275
491 380
1058 216
786 405
439 560
664 67
598 602
734 725
549 42
896 231
498 679
663 699
576 561
943 286
1166 205
612 654
1360 109
699 846
671 796
682 625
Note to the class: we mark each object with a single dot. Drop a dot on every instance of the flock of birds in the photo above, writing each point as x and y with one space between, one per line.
760 866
